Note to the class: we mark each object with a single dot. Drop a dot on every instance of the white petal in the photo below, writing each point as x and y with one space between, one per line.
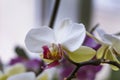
111 38
23 76
15 69
115 42
70 34
101 33
104 73
36 38
47 74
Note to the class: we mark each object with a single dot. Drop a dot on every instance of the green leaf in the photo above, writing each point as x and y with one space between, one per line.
82 54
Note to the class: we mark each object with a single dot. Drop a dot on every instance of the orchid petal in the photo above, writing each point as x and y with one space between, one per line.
23 76
90 42
111 38
15 69
84 53
47 74
69 34
36 38
43 76
101 33
115 42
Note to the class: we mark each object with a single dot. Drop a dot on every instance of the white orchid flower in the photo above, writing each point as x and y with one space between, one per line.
68 37
110 47
47 74
15 69
23 76
12 70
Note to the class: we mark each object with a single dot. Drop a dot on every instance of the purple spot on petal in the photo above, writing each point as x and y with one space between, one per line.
35 65
91 43
53 64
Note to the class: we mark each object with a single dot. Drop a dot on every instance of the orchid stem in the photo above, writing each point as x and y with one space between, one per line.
94 28
91 62
79 65
112 63
54 13
90 35
73 73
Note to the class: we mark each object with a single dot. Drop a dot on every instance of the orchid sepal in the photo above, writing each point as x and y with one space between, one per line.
82 54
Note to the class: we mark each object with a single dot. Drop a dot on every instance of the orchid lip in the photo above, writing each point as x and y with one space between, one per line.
54 53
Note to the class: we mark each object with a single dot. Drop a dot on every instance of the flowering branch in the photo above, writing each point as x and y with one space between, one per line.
54 13
112 63
56 51
95 62
78 65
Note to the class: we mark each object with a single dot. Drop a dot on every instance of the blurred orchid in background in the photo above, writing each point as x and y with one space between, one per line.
12 70
34 65
23 76
25 68
46 75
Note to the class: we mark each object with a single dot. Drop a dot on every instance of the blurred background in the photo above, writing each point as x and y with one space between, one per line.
17 17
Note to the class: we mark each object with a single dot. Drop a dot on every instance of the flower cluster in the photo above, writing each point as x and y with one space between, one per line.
63 48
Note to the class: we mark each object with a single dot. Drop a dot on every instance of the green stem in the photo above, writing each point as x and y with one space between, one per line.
112 63
90 35
79 65
54 13
91 62
72 75
94 28
86 12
